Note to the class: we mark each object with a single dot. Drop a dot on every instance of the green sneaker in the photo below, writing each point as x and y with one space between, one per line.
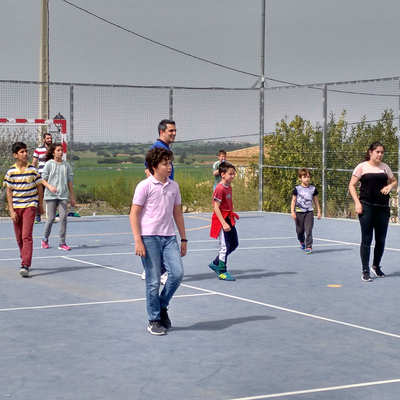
217 268
226 276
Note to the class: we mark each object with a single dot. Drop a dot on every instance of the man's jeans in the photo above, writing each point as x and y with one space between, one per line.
161 249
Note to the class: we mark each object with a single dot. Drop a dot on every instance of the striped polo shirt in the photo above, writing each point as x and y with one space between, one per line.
23 184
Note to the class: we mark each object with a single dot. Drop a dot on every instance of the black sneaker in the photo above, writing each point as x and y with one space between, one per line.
165 321
378 272
366 277
155 328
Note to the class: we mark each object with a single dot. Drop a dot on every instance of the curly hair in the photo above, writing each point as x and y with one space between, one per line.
156 155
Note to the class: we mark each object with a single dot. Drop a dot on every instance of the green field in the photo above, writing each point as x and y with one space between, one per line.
87 178
113 180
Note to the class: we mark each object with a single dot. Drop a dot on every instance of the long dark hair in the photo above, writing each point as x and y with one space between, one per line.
373 146
50 151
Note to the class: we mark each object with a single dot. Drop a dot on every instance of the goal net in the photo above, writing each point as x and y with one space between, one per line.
30 132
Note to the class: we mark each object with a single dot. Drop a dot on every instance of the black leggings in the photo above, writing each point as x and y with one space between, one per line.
373 218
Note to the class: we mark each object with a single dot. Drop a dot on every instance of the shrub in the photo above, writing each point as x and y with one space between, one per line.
117 193
84 197
109 161
196 196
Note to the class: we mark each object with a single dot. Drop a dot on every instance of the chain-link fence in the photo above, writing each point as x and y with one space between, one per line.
325 127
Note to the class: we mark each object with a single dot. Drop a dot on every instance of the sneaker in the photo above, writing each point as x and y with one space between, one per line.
302 246
164 278
155 328
366 277
38 219
45 244
225 276
64 247
165 321
143 275
378 272
309 250
217 268
24 271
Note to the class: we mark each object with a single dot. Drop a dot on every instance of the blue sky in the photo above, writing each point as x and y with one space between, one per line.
307 41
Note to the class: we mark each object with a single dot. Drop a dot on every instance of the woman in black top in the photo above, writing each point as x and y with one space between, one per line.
372 206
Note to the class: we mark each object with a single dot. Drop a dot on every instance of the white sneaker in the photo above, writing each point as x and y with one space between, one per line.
144 275
164 278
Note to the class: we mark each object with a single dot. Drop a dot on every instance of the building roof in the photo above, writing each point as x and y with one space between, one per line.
246 156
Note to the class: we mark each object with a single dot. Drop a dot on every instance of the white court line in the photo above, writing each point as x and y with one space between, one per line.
250 301
191 241
254 302
332 243
189 251
328 389
95 303
246 300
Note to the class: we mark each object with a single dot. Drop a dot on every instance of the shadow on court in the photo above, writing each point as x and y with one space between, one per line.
221 324
61 270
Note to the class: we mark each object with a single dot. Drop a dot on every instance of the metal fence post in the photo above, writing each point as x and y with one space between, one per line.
171 103
261 152
398 152
324 134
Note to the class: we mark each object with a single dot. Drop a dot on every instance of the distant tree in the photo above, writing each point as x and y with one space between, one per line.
299 144
293 145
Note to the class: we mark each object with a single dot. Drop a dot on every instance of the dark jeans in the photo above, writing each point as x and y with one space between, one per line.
304 224
373 218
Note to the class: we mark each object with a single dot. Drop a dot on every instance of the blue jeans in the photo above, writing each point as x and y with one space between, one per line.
161 249
374 219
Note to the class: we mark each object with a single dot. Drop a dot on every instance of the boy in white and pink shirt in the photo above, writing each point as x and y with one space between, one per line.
156 205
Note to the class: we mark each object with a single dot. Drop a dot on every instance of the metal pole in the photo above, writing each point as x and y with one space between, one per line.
324 141
262 98
171 103
71 123
398 155
44 62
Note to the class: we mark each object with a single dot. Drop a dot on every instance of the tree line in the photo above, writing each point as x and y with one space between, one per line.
299 144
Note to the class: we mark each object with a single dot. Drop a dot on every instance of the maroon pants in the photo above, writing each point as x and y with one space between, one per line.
23 229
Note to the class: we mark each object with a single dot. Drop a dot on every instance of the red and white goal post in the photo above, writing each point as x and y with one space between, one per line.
32 130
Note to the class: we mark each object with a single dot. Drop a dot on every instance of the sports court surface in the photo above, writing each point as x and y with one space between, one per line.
292 326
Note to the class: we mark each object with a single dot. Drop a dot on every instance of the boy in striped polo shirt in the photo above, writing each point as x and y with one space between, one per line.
24 196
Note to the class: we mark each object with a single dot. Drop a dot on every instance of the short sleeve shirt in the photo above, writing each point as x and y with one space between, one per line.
223 194
40 153
373 179
217 178
305 197
158 201
23 184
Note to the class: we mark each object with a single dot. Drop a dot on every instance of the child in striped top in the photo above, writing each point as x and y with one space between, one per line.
24 196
